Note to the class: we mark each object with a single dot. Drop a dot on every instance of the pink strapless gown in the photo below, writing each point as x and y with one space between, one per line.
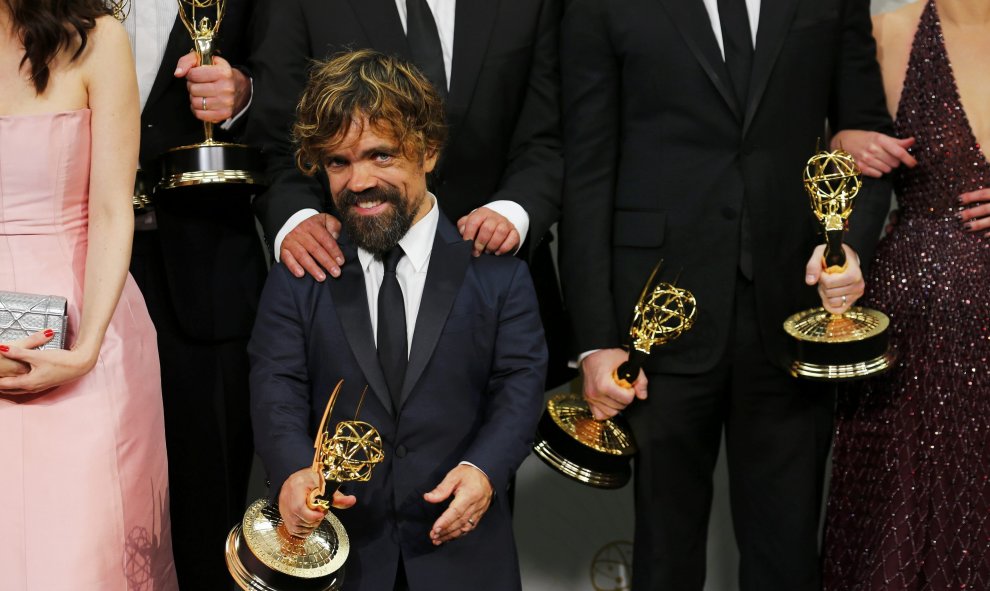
83 474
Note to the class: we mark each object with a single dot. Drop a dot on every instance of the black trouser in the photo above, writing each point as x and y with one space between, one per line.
207 429
778 431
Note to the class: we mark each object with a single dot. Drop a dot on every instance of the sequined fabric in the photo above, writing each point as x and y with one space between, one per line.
909 506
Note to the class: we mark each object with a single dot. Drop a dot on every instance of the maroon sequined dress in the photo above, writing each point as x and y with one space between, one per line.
909 506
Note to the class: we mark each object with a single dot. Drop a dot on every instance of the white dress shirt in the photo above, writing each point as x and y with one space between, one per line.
411 273
148 25
443 13
752 7
411 270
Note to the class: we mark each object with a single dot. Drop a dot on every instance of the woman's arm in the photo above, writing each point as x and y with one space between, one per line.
116 128
107 71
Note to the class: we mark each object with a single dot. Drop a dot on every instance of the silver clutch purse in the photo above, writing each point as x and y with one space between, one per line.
23 314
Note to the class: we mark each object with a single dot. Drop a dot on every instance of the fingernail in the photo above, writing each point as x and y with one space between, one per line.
49 333
959 216
968 226
340 260
335 272
178 72
336 235
4 348
320 277
809 278
460 229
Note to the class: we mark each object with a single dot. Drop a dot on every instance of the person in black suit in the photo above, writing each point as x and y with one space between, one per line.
687 126
454 366
200 265
499 179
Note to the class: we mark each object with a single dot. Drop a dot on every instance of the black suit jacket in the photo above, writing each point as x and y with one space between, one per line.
214 261
661 161
473 391
502 108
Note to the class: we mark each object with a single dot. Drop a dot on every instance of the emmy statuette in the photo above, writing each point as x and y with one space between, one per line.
209 161
263 556
598 453
827 346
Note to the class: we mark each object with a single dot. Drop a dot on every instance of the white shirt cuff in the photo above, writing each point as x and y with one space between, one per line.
290 225
516 215
466 463
226 125
576 364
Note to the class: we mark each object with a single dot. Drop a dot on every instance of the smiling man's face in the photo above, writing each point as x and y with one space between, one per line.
378 190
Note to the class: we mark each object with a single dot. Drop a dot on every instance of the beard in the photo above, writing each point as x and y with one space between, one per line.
376 234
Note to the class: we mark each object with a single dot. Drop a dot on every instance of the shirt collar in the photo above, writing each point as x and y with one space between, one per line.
417 243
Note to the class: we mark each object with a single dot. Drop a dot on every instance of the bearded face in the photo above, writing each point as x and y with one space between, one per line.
377 218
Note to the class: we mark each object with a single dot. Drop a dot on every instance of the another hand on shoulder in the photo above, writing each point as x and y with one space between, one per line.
491 232
604 396
312 247
12 367
299 519
472 494
839 291
876 154
38 371
216 92
976 219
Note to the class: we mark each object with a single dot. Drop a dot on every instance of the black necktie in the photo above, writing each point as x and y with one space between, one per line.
737 42
392 348
424 43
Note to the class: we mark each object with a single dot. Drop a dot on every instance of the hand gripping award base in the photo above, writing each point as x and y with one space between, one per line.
210 161
598 453
263 556
827 346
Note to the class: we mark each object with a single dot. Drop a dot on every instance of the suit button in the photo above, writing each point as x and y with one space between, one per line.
400 451
729 213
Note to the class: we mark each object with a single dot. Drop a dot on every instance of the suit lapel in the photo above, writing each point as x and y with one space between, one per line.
179 44
448 264
380 21
473 23
350 298
695 26
775 20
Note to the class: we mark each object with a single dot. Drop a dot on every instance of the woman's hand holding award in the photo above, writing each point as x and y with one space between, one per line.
831 346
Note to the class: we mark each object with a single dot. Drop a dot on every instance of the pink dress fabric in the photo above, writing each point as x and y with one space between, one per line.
83 472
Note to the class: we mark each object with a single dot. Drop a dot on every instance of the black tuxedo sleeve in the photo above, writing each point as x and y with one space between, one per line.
280 62
515 384
532 177
857 102
279 381
590 94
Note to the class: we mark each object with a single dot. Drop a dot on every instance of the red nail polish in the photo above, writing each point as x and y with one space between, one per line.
49 333
4 348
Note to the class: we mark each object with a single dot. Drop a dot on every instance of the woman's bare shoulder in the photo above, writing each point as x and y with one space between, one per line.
895 29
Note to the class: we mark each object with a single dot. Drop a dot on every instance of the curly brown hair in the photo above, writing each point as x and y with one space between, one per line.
47 27
391 93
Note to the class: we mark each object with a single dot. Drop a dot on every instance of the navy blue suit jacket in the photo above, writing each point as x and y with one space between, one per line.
473 392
